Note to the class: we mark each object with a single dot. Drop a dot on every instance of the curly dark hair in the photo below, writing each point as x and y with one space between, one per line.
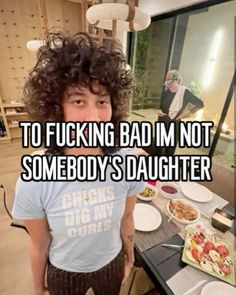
71 61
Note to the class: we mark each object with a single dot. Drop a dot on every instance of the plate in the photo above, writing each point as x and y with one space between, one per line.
211 254
196 192
147 187
146 217
180 209
218 288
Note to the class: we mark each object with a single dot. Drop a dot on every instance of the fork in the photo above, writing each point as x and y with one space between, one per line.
172 246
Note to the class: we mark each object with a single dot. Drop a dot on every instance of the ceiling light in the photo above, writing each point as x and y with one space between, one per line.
128 18
34 45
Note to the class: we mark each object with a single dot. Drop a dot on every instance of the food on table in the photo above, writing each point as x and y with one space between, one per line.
208 253
218 270
169 189
222 250
198 238
208 246
195 254
189 255
148 193
213 239
206 264
183 210
215 256
228 261
220 243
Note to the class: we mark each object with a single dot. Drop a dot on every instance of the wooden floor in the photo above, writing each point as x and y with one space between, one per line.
15 275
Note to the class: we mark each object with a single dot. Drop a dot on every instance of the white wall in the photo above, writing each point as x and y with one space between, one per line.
156 7
152 7
201 31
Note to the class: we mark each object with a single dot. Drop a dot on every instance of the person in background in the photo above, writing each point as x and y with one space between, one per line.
82 233
177 102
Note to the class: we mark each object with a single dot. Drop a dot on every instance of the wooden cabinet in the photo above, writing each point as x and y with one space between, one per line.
11 113
23 21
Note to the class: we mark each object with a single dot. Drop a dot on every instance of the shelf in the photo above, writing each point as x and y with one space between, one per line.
13 126
5 138
14 105
16 114
11 119
15 132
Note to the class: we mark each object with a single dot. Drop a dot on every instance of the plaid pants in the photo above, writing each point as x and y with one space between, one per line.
105 281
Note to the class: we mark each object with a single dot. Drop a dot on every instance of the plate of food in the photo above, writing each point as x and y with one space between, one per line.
149 192
183 211
210 254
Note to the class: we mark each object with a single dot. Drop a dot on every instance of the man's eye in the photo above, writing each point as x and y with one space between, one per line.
103 102
78 102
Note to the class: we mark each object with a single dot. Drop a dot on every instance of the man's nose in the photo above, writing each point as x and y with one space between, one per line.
92 114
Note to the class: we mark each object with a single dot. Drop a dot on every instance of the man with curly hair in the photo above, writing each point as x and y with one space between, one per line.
82 233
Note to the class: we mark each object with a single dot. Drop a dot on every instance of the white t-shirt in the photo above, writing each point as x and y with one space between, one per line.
84 218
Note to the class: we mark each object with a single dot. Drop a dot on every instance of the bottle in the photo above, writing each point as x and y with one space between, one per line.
1 129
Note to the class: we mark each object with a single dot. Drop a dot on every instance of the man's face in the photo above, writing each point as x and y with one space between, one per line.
170 83
80 104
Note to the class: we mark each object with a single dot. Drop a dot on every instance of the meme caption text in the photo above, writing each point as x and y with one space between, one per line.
128 166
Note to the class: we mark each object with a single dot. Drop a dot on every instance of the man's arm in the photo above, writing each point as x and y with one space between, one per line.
127 234
40 242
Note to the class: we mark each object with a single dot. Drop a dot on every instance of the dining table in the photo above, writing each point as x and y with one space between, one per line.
164 265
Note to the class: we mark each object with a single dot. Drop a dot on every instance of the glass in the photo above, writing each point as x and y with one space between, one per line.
149 60
207 61
200 45
225 149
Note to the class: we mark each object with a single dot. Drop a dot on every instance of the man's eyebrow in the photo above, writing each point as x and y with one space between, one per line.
75 92
81 93
104 94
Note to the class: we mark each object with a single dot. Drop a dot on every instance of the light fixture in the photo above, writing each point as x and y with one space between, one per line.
213 54
34 45
224 127
199 115
128 17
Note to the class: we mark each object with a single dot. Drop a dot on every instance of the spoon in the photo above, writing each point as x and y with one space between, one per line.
171 216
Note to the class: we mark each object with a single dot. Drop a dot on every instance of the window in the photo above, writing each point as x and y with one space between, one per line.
200 44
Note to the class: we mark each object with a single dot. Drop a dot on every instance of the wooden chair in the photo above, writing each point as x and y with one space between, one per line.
15 222
223 183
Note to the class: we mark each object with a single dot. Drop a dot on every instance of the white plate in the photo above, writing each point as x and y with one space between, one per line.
154 188
196 192
218 288
146 217
188 203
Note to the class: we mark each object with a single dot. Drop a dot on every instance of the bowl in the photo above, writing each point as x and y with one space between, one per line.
168 190
183 209
222 220
149 192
